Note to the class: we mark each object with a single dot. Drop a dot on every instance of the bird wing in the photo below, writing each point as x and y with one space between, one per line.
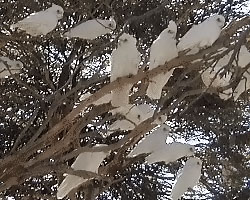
150 143
38 23
89 161
157 83
90 29
69 183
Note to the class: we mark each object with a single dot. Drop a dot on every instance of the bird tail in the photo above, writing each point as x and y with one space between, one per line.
14 26
154 90
157 83
68 184
67 34
120 96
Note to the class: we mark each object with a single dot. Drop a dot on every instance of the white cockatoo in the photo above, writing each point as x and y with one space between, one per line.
170 152
243 85
42 22
243 58
14 66
134 114
150 143
124 61
202 35
92 29
188 178
162 50
89 161
209 75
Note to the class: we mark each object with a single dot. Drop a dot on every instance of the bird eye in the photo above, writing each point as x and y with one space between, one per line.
138 116
125 40
191 149
159 118
58 12
164 129
170 31
218 20
198 163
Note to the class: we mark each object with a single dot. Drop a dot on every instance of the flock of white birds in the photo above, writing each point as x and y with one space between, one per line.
125 60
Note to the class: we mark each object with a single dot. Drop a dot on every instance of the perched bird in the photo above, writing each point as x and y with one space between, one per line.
212 76
243 58
138 114
89 161
124 61
134 116
188 178
162 50
150 143
242 86
170 152
13 65
92 29
42 22
202 35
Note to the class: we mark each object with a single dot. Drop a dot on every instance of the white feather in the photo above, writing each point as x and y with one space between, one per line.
188 178
42 22
160 120
170 152
150 143
243 57
92 29
243 85
162 50
140 113
226 94
14 66
208 76
202 35
124 61
121 125
134 116
212 75
89 161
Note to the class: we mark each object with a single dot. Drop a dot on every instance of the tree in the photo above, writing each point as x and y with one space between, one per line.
45 125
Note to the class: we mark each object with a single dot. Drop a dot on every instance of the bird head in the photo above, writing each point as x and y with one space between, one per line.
193 161
112 23
125 38
161 119
17 65
58 10
165 128
220 20
191 150
172 29
184 149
